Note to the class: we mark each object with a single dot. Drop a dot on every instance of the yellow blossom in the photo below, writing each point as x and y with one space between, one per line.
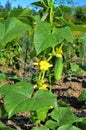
44 65
59 52
51 107
44 86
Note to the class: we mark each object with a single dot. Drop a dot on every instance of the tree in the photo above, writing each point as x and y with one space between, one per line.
8 6
80 15
1 7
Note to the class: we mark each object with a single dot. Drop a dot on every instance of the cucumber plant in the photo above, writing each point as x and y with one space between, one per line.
47 38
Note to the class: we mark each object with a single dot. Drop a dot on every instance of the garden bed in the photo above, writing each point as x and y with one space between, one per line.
66 90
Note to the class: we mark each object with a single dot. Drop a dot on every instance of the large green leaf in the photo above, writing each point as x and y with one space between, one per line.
68 127
64 33
43 101
20 12
11 29
25 15
45 98
45 36
19 98
64 116
15 96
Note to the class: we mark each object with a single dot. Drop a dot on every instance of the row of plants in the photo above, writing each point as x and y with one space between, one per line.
47 43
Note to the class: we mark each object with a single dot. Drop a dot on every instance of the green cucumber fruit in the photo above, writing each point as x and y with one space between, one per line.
58 68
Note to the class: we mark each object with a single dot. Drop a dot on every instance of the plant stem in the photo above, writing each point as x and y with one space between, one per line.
43 74
51 12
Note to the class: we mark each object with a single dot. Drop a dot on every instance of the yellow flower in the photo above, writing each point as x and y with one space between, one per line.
44 65
44 86
51 107
59 52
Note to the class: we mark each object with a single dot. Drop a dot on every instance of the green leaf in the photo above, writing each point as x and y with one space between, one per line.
51 124
82 96
64 116
15 96
68 127
77 70
20 12
45 36
41 4
65 33
18 98
43 100
40 128
11 29
25 15
3 127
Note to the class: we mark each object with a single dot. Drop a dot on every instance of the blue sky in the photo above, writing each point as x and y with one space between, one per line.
26 3
15 3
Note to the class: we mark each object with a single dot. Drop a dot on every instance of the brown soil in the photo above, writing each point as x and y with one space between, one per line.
68 90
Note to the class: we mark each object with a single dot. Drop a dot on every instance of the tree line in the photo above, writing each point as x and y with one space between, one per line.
75 14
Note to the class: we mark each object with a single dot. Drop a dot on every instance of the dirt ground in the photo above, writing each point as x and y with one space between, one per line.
68 90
